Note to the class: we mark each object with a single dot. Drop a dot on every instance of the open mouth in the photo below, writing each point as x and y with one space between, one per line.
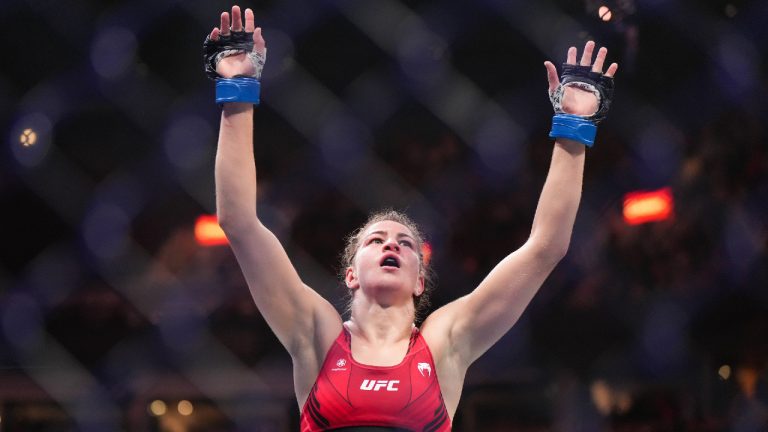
390 262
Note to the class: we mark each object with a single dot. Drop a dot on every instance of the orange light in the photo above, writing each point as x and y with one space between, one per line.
426 253
747 378
653 206
208 232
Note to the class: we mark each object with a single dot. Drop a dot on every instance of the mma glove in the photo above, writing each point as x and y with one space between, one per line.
240 88
575 127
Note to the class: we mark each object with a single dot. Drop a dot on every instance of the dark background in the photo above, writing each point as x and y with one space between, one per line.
438 108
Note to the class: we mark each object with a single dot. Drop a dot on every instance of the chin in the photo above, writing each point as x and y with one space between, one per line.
388 289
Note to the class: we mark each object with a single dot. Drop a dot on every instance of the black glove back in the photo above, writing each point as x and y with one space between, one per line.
214 50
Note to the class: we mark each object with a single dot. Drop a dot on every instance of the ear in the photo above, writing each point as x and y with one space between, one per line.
420 286
350 278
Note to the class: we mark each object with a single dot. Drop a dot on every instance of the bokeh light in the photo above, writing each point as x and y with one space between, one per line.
648 206
604 12
105 230
28 137
344 143
658 153
185 407
737 56
157 408
189 142
724 372
426 253
499 142
31 139
22 322
113 51
208 232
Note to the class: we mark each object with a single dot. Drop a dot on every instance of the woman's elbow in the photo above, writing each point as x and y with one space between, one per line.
560 252
550 251
232 224
225 220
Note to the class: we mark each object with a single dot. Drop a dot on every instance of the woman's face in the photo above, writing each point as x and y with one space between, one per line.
387 263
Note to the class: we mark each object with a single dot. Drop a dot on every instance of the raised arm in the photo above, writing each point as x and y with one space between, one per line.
476 321
304 322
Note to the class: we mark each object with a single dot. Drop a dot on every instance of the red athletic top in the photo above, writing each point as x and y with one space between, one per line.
348 394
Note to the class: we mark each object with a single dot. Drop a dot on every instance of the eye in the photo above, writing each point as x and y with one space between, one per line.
406 243
375 240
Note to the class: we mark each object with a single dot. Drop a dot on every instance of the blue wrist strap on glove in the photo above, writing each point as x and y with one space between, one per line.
573 127
238 89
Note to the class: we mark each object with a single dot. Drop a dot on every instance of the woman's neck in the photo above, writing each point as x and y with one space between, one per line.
381 325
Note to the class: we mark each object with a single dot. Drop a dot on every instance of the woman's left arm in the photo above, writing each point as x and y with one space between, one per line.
476 321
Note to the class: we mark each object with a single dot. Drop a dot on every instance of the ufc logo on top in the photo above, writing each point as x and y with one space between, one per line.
375 385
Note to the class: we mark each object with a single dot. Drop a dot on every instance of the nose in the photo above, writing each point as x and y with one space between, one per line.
392 245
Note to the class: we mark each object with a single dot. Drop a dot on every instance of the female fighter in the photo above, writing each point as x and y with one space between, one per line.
376 370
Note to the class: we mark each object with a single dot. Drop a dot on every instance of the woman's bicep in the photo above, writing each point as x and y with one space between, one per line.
482 317
293 310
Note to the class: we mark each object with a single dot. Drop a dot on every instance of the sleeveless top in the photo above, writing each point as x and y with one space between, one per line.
348 394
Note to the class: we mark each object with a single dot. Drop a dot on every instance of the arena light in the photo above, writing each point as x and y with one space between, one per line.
724 372
157 408
426 253
185 407
208 232
648 206
28 137
747 378
604 12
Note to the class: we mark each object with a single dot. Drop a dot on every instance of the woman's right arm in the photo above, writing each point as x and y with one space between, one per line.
304 322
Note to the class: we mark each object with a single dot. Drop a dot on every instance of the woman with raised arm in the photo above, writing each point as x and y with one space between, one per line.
377 371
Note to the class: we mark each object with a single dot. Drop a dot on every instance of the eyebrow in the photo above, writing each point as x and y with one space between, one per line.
399 235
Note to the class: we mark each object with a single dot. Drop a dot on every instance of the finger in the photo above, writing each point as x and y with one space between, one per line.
552 77
599 60
237 19
571 55
249 25
611 70
586 56
224 24
259 44
215 34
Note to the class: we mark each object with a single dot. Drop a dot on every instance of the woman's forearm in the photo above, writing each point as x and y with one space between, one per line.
559 200
235 167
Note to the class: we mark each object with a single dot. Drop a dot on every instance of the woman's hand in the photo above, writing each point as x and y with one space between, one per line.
576 100
238 64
